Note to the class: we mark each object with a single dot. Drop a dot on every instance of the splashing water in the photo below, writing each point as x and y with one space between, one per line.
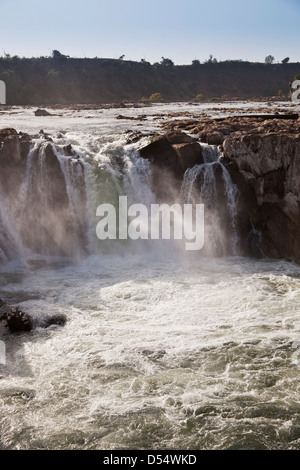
211 185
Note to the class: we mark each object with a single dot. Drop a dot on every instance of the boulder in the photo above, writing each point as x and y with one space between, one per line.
58 319
189 155
215 138
160 152
18 320
170 162
179 138
7 132
177 158
68 150
42 112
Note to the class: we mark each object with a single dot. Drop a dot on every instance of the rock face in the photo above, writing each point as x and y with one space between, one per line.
170 156
269 165
262 155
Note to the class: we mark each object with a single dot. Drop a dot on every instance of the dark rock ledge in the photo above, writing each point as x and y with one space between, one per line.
170 156
17 320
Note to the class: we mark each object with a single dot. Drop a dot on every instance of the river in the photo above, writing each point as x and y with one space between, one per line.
163 349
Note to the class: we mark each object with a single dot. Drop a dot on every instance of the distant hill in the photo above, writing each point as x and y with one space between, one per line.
63 80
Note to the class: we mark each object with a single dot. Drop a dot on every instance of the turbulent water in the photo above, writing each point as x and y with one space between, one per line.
163 349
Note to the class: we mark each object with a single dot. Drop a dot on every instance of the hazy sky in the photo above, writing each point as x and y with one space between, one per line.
182 30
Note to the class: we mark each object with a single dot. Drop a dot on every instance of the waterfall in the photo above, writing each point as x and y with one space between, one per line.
210 184
52 209
10 242
43 211
232 193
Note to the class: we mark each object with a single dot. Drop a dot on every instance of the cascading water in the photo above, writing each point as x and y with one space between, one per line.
46 213
210 184
54 210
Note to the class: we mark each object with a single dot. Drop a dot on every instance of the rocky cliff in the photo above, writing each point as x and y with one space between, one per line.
270 165
262 154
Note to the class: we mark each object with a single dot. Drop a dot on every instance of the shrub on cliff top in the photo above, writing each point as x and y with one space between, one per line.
156 97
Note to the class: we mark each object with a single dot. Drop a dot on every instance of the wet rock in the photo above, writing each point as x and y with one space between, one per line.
170 162
6 133
165 167
269 164
18 320
14 147
11 162
10 152
58 319
25 143
131 118
42 112
68 150
134 136
189 155
179 138
215 138
177 158
153 354
160 152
